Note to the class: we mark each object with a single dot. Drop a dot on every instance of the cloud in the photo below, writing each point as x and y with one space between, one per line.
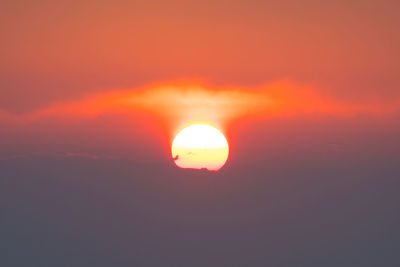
88 155
179 104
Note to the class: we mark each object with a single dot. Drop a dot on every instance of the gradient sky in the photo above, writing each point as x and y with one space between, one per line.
306 92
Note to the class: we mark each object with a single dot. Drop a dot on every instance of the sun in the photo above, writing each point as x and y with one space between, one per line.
200 146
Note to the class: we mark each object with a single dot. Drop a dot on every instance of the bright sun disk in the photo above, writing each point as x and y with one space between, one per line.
200 146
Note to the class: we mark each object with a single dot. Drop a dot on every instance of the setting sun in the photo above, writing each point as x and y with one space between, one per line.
200 146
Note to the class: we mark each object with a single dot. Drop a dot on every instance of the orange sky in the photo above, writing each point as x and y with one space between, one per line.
63 51
65 65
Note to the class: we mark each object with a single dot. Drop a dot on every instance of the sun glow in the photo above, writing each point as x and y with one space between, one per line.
200 146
